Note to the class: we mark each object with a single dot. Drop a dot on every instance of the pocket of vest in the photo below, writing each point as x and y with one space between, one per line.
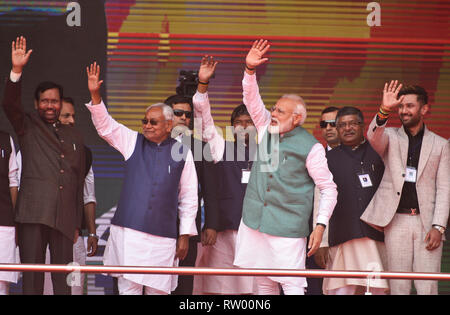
288 169
293 199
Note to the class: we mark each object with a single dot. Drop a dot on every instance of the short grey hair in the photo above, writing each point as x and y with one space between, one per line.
300 108
166 109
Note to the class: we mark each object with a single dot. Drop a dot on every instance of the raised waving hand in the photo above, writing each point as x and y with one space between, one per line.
390 96
19 54
207 68
94 82
205 72
255 56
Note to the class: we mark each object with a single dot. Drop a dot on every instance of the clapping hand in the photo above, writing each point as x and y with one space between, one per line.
19 54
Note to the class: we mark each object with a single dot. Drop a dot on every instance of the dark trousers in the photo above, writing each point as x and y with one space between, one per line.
186 283
314 284
33 241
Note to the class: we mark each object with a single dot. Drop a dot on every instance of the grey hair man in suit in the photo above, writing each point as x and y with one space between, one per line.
412 201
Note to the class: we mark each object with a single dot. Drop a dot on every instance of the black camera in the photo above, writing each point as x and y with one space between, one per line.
188 81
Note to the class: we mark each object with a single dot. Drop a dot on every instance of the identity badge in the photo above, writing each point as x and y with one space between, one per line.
245 176
365 180
411 174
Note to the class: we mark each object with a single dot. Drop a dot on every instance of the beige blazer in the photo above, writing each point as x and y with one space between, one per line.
433 176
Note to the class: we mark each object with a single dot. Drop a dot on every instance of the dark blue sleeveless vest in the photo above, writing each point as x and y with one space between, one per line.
231 191
149 198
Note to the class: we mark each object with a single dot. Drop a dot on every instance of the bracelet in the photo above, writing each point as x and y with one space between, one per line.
384 111
204 83
250 69
382 116
321 224
93 235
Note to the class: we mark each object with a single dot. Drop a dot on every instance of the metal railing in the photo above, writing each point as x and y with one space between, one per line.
309 273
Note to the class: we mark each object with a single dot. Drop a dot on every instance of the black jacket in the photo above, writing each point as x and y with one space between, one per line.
207 183
345 165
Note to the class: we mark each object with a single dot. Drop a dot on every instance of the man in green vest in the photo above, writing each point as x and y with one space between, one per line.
279 198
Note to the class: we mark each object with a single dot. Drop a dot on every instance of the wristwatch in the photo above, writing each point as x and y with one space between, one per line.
441 229
93 235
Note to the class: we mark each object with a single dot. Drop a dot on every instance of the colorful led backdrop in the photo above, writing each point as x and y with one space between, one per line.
332 53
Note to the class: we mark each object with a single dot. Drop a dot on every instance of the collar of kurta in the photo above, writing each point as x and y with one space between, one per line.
165 142
359 146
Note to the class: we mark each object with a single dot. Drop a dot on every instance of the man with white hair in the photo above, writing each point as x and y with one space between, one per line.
279 198
159 188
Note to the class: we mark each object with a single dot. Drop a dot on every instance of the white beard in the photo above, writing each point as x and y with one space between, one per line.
273 129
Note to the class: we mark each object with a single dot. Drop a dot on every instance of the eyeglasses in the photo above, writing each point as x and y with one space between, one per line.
324 123
180 112
352 124
281 112
47 101
152 122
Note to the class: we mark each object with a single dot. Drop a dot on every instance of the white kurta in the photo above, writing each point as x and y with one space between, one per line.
128 247
89 188
220 255
8 233
270 252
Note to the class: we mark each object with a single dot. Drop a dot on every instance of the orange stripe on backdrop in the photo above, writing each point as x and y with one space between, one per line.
347 64
251 38
242 56
274 50
212 43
